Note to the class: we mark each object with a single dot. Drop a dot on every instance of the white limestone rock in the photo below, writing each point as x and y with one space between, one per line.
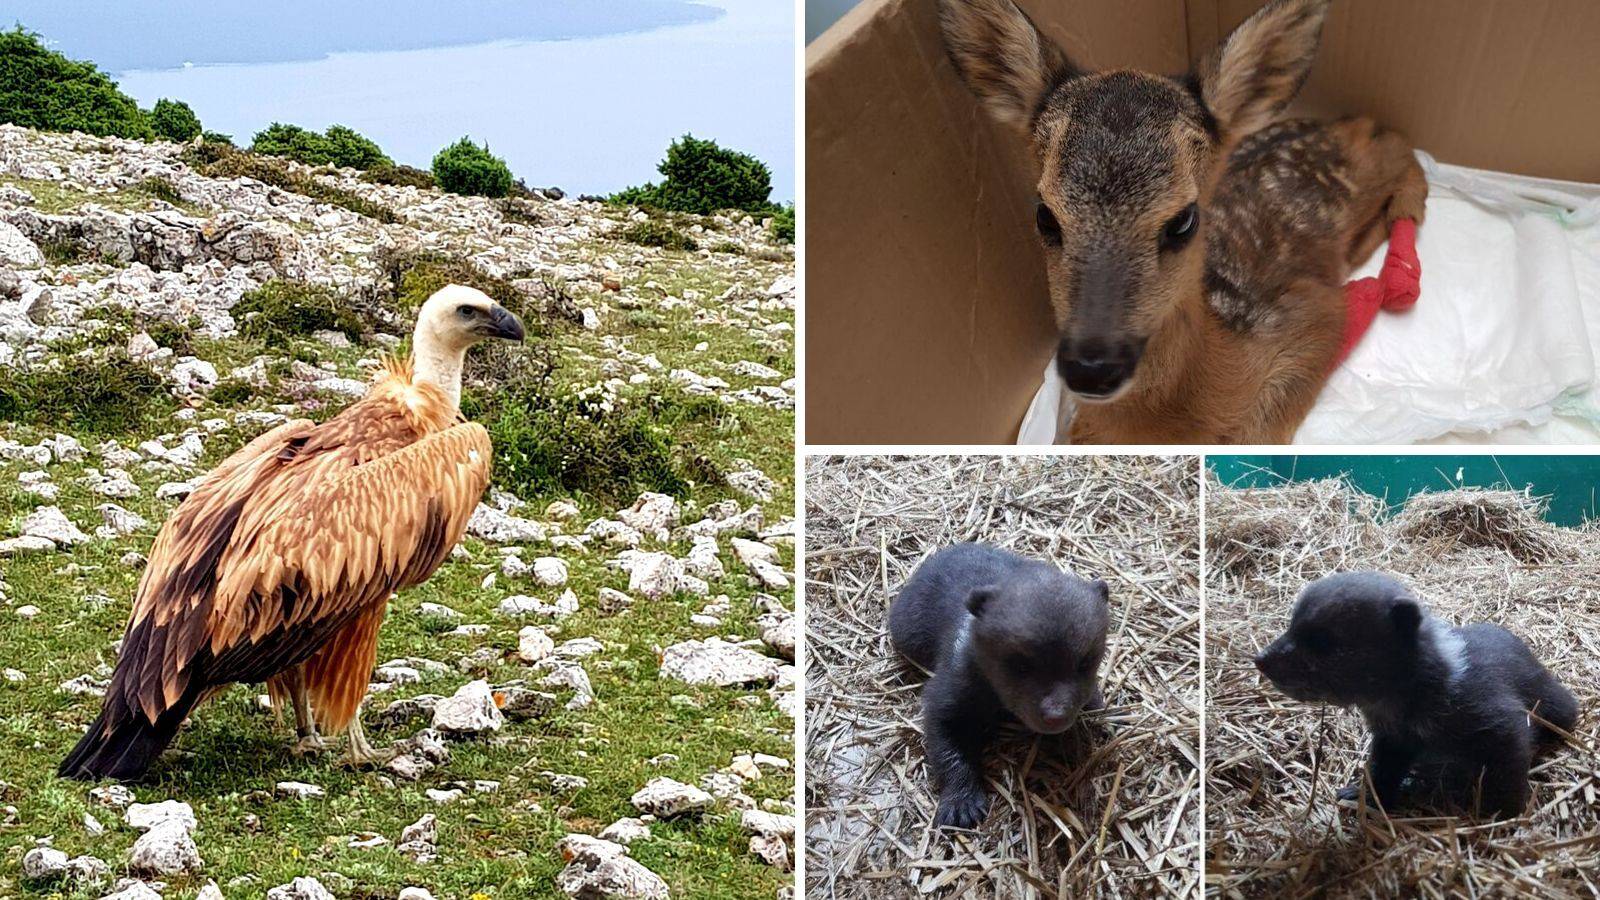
470 711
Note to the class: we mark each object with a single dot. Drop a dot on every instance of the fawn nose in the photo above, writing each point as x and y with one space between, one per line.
1097 368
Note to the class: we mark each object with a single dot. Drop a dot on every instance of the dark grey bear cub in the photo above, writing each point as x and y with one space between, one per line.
1447 705
1005 636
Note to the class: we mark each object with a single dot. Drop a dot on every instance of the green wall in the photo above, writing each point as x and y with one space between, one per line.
1570 482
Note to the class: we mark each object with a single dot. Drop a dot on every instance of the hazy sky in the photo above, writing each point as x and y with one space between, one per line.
577 93
163 34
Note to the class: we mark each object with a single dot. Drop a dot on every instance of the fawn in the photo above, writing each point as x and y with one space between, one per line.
1197 245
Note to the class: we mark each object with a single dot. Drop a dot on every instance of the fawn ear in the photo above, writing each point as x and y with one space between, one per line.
1250 77
1004 59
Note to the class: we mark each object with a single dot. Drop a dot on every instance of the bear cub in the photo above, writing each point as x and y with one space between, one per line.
1448 708
1006 638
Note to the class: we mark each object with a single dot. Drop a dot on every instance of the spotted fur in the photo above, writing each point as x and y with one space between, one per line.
1226 331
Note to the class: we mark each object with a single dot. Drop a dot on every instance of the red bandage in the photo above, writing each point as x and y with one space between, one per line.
1396 288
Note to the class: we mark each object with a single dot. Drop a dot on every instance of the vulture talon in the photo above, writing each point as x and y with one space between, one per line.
363 755
310 745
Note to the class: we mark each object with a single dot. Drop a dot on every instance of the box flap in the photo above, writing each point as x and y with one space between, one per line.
1510 86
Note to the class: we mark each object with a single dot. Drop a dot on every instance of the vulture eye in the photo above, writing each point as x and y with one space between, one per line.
1181 228
466 312
1049 228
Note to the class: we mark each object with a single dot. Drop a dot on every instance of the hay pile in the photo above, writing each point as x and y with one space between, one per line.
1110 809
1273 765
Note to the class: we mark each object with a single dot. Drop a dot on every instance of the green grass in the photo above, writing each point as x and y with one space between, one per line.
497 844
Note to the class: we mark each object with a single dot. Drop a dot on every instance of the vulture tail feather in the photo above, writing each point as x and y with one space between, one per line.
124 751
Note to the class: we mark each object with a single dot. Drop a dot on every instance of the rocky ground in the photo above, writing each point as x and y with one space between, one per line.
594 697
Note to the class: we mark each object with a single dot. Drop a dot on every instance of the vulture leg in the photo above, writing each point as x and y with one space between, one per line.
305 726
363 753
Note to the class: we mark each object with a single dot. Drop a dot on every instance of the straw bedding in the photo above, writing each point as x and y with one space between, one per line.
1273 765
1110 809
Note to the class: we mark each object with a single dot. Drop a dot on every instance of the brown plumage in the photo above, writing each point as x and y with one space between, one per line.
280 565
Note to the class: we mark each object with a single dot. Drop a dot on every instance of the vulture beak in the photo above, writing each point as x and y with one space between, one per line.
502 324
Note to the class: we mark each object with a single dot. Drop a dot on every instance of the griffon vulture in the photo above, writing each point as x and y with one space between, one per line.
279 567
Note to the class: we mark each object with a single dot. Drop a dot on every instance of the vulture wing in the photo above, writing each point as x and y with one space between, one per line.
286 543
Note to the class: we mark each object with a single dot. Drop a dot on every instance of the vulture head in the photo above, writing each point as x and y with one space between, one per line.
456 317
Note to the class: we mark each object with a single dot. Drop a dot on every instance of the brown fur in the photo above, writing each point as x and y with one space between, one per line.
1227 334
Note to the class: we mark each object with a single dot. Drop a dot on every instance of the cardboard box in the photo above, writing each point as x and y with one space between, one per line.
927 318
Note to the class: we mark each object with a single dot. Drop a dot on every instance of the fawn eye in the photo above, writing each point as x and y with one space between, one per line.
1181 228
1049 228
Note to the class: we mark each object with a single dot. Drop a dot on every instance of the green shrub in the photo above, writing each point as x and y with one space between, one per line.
351 149
42 89
652 233
62 251
232 392
226 161
339 146
783 224
103 393
158 188
174 121
466 168
403 176
216 137
701 177
292 141
280 310
179 336
519 210
550 443
727 247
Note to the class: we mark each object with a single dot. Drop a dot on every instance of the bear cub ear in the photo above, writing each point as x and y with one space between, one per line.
1406 616
979 598
1101 589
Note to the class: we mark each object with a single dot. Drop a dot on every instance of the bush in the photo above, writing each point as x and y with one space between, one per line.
104 393
466 168
351 149
42 89
652 233
216 137
158 188
227 161
549 443
519 210
701 177
783 224
280 310
173 120
339 146
403 176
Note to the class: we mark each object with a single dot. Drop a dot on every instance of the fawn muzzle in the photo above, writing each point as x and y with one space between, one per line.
1097 369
